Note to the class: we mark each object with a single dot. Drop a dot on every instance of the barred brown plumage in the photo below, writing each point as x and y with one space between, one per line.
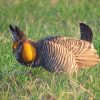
55 57
76 46
56 53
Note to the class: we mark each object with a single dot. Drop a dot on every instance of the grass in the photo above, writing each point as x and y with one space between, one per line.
38 19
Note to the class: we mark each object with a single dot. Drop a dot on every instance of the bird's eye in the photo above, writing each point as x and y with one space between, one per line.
15 45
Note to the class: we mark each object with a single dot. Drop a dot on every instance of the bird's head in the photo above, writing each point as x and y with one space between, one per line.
24 49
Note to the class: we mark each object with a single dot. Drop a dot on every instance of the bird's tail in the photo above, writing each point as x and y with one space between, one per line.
88 58
86 32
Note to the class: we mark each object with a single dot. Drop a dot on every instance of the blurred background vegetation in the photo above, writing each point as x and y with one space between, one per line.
38 19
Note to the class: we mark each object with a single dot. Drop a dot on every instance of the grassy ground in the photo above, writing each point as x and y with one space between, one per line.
38 19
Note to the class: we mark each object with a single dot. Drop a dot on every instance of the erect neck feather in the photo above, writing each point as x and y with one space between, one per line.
28 52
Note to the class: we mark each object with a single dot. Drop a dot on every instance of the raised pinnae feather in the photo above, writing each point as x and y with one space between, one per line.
19 32
11 28
14 33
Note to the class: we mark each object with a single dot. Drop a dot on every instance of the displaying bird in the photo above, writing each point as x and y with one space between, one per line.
56 53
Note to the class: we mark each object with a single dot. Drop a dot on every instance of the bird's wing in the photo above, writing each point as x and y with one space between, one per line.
56 58
83 52
76 46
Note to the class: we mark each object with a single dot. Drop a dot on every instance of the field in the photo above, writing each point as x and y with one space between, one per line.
38 19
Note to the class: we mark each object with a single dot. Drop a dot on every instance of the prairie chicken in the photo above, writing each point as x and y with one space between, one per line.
56 53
